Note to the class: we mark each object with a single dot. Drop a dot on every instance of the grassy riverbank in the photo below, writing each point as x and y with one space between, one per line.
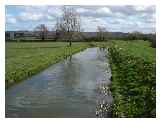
25 59
133 79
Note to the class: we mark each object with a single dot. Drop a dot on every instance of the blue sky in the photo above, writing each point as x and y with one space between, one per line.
113 18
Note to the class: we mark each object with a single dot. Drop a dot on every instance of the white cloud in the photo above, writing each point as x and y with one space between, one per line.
25 16
119 14
81 10
54 11
90 23
40 13
140 8
10 19
104 10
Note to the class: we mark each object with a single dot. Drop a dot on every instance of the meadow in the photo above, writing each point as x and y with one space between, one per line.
133 87
26 59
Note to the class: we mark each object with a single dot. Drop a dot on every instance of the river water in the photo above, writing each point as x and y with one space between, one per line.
69 88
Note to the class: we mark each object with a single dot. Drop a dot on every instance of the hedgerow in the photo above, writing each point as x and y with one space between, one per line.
133 84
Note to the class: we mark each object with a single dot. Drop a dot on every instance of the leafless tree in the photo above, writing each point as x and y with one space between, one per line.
42 30
68 24
101 33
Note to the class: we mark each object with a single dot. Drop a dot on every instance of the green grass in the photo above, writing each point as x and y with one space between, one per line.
26 59
133 78
137 48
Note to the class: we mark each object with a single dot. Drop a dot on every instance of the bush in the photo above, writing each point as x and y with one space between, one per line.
133 85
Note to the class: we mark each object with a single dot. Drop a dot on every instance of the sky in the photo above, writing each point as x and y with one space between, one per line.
113 18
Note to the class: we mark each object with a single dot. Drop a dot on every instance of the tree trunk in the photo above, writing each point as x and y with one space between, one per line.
70 43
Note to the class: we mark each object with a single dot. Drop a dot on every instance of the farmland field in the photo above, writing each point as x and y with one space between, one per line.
26 59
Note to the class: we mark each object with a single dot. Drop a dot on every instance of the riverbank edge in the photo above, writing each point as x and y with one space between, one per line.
39 69
130 103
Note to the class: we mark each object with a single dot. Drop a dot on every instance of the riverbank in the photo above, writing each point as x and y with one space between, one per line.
133 79
26 59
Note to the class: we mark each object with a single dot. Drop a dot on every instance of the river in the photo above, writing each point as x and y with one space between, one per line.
70 88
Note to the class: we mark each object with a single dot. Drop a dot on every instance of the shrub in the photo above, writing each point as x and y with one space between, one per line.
133 85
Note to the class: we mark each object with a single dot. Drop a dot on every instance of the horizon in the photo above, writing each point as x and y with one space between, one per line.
81 31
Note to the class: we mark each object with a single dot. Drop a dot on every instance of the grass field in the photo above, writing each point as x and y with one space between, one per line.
137 48
133 79
26 59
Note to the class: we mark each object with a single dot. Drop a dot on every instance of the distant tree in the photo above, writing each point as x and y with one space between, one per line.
152 39
57 30
101 33
68 24
42 30
137 35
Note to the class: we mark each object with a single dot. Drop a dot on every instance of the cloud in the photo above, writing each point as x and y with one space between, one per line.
25 16
93 11
114 18
39 13
143 8
140 8
91 23
104 10
10 19
81 10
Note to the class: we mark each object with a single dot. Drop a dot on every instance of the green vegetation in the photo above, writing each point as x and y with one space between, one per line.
26 59
133 65
133 78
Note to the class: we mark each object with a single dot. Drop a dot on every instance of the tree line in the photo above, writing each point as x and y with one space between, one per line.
68 27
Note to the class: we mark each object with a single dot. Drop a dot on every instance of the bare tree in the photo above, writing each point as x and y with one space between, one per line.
101 33
42 30
68 24
57 29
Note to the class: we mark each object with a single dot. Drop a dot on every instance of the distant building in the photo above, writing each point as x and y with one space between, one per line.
9 35
26 35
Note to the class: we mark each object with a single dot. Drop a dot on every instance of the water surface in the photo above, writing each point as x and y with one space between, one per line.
66 89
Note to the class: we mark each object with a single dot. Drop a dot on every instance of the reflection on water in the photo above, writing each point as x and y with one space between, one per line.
66 89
